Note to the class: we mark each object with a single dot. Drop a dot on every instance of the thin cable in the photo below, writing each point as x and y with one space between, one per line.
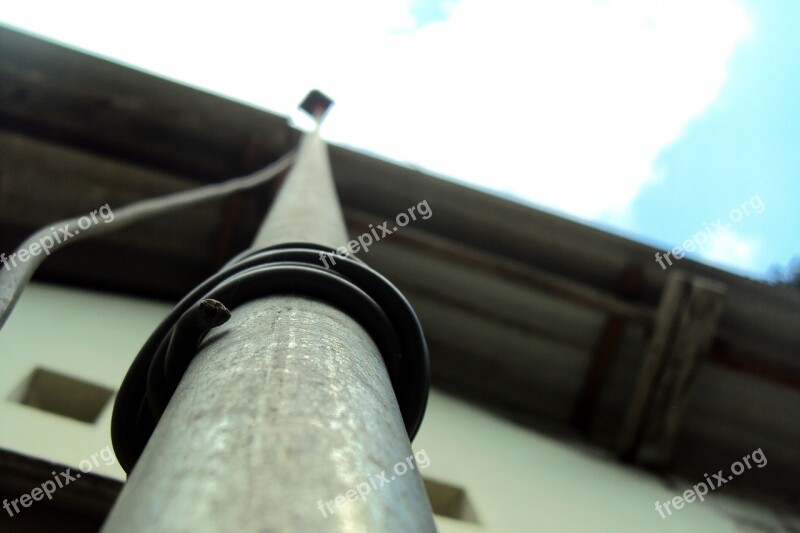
14 281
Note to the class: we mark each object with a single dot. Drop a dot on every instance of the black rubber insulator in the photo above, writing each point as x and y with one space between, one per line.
179 346
291 269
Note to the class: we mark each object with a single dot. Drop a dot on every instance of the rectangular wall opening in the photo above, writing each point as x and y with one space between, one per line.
62 395
450 501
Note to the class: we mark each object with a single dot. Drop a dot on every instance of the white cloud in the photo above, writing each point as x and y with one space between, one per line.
565 103
730 251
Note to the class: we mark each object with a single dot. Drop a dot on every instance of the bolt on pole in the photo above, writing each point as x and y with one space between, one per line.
286 416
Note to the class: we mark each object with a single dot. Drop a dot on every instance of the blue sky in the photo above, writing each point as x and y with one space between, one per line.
652 119
747 143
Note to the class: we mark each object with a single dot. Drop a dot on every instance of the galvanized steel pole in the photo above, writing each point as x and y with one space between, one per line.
285 412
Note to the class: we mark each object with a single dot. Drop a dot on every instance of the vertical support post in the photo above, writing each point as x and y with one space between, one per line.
286 419
684 328
603 353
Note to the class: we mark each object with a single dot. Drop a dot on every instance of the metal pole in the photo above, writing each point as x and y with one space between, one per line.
286 412
307 208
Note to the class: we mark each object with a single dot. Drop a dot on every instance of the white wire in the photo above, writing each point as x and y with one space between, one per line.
14 281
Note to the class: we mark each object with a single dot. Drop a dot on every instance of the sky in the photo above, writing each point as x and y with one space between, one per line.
675 123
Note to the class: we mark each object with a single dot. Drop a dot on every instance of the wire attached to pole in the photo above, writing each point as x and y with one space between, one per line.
14 281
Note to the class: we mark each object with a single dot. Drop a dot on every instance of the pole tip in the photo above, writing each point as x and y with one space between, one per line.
316 104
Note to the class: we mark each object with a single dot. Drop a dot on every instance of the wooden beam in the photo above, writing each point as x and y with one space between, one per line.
685 325
63 95
754 364
603 354
514 271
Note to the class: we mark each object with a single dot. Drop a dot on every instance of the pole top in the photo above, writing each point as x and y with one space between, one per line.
316 104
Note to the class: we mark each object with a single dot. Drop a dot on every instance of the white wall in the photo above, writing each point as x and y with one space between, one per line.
86 335
516 480
520 481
